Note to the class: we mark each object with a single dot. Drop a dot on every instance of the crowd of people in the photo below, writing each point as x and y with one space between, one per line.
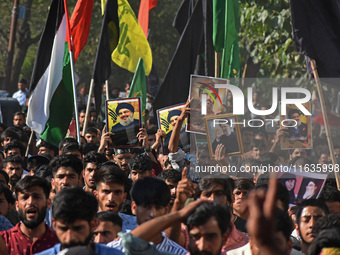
91 198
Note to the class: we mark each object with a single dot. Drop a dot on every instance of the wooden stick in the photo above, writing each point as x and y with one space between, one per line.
29 143
217 65
325 119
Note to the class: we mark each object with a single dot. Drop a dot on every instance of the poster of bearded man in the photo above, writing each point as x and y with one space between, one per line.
123 120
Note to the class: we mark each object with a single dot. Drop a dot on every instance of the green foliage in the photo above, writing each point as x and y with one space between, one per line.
265 36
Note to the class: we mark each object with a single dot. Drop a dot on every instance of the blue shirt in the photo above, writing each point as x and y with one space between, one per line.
99 248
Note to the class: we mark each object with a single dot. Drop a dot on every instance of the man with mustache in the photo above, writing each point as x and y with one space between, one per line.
31 235
12 165
307 214
122 158
74 219
111 192
66 170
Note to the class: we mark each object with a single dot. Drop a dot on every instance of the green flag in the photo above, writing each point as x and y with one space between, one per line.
138 86
226 24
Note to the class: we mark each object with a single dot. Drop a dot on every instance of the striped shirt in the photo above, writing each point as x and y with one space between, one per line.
166 245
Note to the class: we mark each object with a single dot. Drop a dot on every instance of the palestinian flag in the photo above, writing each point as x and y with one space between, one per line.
51 103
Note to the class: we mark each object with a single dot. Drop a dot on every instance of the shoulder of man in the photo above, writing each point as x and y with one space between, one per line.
102 249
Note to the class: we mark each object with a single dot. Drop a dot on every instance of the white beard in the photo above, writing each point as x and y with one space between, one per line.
127 122
308 194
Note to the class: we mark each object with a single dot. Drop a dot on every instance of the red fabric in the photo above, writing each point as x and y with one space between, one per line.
143 14
18 243
332 120
156 167
80 25
235 240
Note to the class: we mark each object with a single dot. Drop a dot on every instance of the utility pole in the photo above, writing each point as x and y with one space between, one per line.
11 45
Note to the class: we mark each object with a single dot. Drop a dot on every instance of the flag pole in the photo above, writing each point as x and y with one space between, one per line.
107 89
29 143
74 97
88 106
325 119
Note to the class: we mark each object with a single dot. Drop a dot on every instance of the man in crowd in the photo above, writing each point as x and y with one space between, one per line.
20 95
31 235
12 165
140 166
47 148
74 212
122 158
19 120
151 198
66 170
307 214
91 135
110 224
92 161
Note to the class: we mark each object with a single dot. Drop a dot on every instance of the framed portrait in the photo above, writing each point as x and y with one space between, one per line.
302 185
216 101
167 119
299 128
123 118
221 129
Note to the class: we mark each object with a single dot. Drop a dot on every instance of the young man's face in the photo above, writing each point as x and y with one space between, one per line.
88 173
14 151
77 233
32 206
139 175
148 212
105 232
65 177
44 150
309 216
206 239
240 197
19 121
82 118
123 160
257 152
110 196
91 137
215 194
5 207
14 171
173 190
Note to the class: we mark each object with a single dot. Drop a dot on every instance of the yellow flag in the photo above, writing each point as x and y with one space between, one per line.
132 43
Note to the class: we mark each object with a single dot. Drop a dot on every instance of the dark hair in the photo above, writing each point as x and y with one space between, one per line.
44 172
95 158
327 222
5 175
49 146
71 147
7 193
34 162
206 211
256 143
310 202
140 162
284 223
9 132
66 141
152 131
16 159
66 161
282 193
329 238
89 147
13 145
19 113
31 181
170 175
244 184
23 81
110 173
329 194
150 191
90 130
73 204
208 182
110 216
